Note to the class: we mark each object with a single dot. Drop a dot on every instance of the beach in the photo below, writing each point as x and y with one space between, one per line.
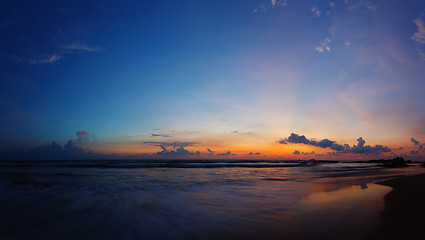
403 216
204 200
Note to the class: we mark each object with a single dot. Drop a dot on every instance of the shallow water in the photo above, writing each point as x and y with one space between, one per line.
60 201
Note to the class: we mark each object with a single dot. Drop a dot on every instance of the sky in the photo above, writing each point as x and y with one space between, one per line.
281 79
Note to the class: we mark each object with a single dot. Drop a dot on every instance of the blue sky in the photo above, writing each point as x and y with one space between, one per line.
236 76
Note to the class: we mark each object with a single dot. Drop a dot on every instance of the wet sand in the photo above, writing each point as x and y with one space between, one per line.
403 216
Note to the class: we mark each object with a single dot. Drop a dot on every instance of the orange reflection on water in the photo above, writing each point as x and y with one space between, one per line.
354 207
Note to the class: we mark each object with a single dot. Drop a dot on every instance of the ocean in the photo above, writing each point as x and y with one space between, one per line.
191 199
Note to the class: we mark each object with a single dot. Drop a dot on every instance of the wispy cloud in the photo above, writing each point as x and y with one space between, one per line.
358 4
272 4
81 47
37 60
172 144
260 8
58 54
419 36
160 135
324 46
316 12
279 3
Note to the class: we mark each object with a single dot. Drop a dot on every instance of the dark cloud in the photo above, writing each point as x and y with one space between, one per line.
83 138
360 148
175 152
295 138
228 153
325 143
296 152
414 152
253 153
211 152
173 149
308 153
53 151
420 147
82 133
160 135
415 142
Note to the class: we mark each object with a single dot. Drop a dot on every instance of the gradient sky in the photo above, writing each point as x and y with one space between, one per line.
200 79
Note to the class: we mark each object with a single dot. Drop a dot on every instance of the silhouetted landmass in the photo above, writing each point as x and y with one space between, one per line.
395 163
389 163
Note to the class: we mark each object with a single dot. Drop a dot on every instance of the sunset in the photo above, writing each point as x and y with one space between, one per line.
309 95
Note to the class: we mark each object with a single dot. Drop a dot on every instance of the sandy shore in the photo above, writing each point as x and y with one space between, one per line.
403 216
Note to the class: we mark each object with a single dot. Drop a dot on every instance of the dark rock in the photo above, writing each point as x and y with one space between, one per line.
394 163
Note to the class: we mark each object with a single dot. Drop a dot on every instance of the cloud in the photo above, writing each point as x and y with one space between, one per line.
53 151
415 141
42 59
211 152
273 3
260 8
296 152
360 148
358 4
57 54
228 153
173 149
419 36
254 153
222 120
82 133
279 3
172 144
420 147
316 12
324 46
83 138
160 135
81 47
175 152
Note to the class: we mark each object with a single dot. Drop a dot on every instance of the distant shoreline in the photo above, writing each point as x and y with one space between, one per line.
403 216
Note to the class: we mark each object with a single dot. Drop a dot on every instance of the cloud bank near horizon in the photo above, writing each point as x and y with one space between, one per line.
360 148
